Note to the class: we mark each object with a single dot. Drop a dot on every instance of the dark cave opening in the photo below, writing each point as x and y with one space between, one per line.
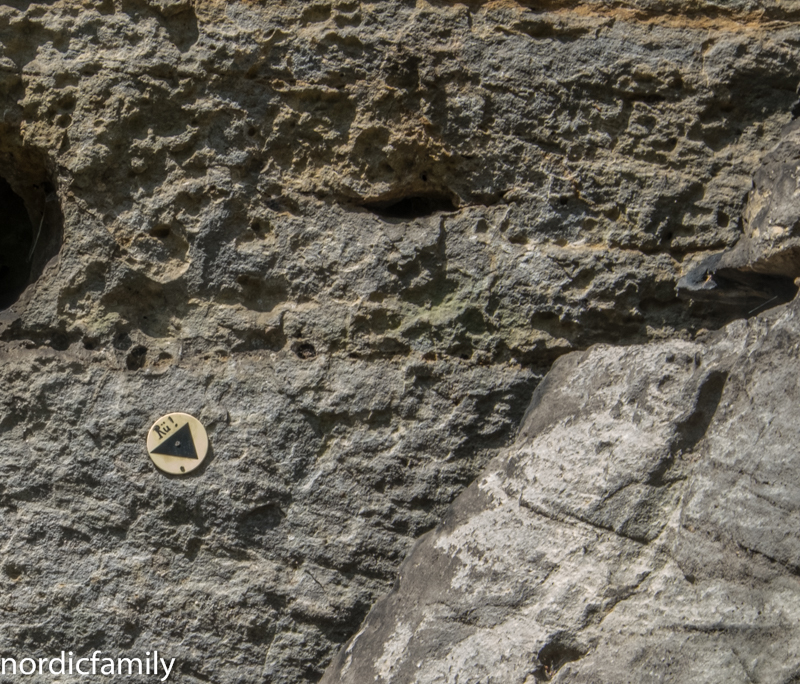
16 242
30 235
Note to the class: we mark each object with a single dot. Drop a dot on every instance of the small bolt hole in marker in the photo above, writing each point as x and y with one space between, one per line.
177 443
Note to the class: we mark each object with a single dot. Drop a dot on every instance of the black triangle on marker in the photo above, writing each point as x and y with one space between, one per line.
180 444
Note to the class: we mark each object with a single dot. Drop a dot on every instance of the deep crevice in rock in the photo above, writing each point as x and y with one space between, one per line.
739 292
412 206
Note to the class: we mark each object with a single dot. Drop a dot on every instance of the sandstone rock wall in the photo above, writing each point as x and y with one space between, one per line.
350 237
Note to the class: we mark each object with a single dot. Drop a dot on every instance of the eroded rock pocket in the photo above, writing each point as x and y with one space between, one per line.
30 232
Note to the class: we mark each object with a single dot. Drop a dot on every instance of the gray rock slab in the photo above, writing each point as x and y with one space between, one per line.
642 529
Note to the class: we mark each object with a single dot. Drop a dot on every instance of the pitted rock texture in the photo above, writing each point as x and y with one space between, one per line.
350 237
386 178
642 529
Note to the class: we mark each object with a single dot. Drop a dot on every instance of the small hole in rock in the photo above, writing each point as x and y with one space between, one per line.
563 201
163 358
553 657
251 131
160 232
136 358
59 342
305 350
122 341
13 571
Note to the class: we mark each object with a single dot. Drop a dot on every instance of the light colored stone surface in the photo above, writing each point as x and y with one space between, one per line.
222 178
642 529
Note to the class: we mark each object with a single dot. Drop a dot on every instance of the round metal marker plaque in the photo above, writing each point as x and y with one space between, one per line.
177 443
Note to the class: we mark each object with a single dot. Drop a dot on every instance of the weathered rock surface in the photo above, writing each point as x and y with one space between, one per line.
764 263
306 156
350 237
771 241
642 529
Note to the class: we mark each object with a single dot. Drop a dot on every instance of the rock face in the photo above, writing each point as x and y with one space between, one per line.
771 241
350 237
642 529
762 267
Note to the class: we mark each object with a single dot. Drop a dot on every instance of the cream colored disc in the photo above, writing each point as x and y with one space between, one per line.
177 443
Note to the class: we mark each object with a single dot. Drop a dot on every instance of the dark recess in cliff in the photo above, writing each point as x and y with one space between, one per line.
411 207
32 229
15 244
